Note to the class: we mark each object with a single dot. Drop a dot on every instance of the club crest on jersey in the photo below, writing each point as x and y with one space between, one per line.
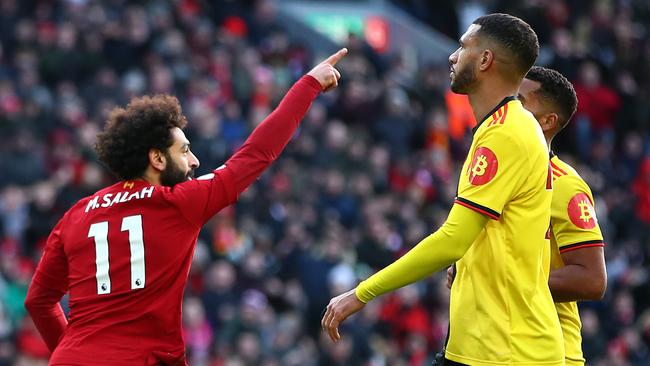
581 211
484 166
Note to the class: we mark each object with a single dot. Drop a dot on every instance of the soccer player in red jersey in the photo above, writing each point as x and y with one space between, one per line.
124 253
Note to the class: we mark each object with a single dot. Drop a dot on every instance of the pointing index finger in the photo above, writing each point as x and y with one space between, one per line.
333 59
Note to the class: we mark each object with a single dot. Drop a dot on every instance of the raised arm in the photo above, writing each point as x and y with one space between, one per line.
269 138
199 199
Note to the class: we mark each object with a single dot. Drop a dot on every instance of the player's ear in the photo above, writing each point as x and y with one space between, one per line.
549 121
157 159
486 59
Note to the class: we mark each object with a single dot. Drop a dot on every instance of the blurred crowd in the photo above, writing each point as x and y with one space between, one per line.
371 171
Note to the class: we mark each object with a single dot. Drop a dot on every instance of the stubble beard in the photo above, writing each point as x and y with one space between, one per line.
172 175
463 80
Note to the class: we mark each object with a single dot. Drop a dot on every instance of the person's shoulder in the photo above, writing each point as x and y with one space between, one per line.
73 215
118 193
81 203
521 120
512 125
511 119
566 178
563 169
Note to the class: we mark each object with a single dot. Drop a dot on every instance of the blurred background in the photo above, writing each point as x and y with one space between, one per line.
372 170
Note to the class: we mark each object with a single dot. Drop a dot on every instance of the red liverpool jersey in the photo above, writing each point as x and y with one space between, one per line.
124 253
127 252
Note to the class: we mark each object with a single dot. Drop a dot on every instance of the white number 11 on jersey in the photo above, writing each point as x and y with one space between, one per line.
99 231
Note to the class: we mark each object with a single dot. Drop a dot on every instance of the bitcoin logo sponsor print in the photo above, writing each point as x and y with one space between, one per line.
484 166
581 211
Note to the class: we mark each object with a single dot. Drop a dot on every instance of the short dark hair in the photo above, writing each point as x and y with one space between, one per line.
513 34
131 132
555 89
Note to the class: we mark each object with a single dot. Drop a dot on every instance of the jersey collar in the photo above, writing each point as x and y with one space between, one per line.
501 104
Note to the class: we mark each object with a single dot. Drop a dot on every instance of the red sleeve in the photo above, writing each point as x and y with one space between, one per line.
52 270
49 284
203 197
272 135
46 312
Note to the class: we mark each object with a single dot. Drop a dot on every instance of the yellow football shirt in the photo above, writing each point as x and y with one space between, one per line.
573 226
501 310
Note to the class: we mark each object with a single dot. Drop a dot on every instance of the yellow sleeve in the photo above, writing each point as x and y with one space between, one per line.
433 253
495 173
573 217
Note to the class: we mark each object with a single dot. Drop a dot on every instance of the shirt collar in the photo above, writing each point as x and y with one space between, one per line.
501 104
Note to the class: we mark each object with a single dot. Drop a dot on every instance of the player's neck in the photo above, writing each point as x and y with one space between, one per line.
152 177
549 140
488 95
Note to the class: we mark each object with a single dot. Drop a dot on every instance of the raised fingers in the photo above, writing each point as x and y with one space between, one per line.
336 57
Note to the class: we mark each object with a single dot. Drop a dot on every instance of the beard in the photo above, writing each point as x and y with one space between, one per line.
172 175
463 80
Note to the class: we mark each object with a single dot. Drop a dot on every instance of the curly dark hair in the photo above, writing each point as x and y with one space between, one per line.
513 34
556 89
130 133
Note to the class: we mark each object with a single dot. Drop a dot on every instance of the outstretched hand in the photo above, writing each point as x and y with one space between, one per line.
339 309
325 73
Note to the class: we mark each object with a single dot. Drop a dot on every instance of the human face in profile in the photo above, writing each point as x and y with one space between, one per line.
181 162
463 61
542 111
529 98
